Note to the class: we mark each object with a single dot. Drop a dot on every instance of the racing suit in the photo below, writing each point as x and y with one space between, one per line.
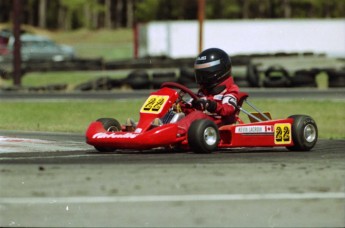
223 111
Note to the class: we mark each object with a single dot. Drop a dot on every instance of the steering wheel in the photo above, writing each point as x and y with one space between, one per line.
181 87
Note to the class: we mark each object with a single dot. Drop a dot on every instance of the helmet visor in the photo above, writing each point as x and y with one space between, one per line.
208 75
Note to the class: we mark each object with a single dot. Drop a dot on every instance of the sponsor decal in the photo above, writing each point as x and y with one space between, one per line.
154 104
282 133
114 136
255 129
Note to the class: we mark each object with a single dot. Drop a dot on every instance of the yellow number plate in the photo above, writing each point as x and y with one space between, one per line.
282 133
154 104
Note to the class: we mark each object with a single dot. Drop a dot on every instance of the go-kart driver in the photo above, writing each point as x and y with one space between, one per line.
217 91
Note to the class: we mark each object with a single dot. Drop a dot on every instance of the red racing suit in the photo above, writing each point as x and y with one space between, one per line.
225 111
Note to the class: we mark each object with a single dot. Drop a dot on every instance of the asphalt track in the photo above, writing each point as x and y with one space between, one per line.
57 180
67 183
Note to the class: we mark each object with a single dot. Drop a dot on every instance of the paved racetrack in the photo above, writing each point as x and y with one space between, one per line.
72 185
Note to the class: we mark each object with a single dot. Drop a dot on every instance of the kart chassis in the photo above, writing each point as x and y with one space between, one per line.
297 132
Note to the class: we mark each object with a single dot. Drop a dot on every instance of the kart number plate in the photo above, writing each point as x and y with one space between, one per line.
154 104
282 133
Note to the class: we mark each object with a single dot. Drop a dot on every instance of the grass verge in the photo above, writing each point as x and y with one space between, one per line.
75 116
71 78
109 44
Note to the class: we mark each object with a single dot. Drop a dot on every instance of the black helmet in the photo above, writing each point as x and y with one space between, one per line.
212 66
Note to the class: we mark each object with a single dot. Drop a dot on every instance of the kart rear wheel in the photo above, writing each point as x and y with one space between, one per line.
203 136
110 125
304 133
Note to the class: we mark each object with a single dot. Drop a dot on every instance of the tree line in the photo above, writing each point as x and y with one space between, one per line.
94 14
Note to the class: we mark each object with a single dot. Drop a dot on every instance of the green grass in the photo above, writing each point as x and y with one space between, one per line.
109 44
102 43
74 116
62 116
71 78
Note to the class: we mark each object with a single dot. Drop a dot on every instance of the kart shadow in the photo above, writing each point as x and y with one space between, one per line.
244 150
254 150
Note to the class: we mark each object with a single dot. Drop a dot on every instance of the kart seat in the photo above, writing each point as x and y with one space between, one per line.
242 96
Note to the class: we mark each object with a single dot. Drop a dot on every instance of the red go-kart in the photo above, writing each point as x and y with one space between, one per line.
297 132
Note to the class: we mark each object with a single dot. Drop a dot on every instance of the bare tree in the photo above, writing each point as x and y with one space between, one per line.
107 14
42 14
245 12
287 8
87 15
130 14
119 9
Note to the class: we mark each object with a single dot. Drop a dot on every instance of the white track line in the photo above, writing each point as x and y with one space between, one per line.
50 157
172 198
13 145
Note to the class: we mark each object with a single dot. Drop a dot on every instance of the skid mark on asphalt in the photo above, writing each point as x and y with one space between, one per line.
174 198
14 144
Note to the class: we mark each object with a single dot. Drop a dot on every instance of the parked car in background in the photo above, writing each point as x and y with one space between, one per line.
37 48
5 35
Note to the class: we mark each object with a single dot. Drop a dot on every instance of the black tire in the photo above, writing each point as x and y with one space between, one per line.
203 136
276 76
241 81
276 82
115 83
304 133
187 77
138 79
102 83
56 87
159 78
187 72
239 74
110 125
253 75
87 86
336 78
240 60
304 78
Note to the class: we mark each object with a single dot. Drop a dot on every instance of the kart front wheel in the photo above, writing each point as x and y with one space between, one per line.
203 136
304 133
110 125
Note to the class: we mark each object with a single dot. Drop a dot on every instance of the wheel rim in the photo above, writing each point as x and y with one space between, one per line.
112 129
210 136
309 133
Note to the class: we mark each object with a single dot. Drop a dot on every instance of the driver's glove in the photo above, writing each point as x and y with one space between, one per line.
201 104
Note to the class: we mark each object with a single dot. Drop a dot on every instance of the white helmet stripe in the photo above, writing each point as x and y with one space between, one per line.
207 65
